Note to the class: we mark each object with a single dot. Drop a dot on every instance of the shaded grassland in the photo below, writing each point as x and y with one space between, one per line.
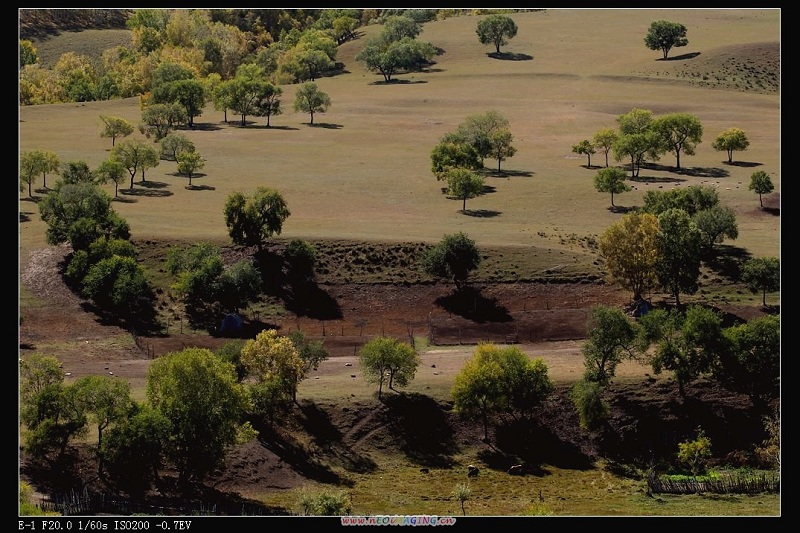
359 186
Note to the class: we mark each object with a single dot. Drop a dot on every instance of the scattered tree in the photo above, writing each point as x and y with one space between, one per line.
464 184
679 132
611 338
604 140
762 274
174 143
761 183
274 360
454 257
135 155
158 120
731 140
715 224
496 30
611 180
751 364
679 244
500 141
448 155
252 220
189 163
200 397
309 99
387 360
107 401
630 251
585 147
113 171
115 127
500 381
664 36
687 344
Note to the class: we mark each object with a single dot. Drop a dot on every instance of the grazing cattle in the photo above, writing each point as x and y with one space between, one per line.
424 470
516 470
472 471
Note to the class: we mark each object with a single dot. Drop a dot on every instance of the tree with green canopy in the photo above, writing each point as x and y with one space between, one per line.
390 361
496 30
664 35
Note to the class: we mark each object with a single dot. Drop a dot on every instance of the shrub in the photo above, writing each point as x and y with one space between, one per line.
592 409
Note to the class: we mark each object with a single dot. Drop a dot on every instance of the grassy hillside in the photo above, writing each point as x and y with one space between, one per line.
363 170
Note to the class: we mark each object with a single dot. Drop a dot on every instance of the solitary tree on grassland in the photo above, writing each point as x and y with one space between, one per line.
761 183
612 180
252 220
762 274
309 99
454 257
664 35
387 360
496 30
731 140
463 184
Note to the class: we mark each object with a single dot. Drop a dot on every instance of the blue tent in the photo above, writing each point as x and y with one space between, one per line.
231 325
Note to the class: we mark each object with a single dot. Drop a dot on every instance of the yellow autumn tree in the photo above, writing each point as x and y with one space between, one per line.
630 252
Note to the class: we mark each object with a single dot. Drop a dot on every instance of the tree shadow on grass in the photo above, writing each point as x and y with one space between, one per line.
295 455
726 261
655 179
310 300
510 56
200 188
745 164
469 303
326 125
272 127
482 213
422 424
534 443
317 423
681 57
204 126
494 173
397 82
149 189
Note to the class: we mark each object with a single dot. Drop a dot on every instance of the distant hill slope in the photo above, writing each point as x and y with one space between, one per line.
39 23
